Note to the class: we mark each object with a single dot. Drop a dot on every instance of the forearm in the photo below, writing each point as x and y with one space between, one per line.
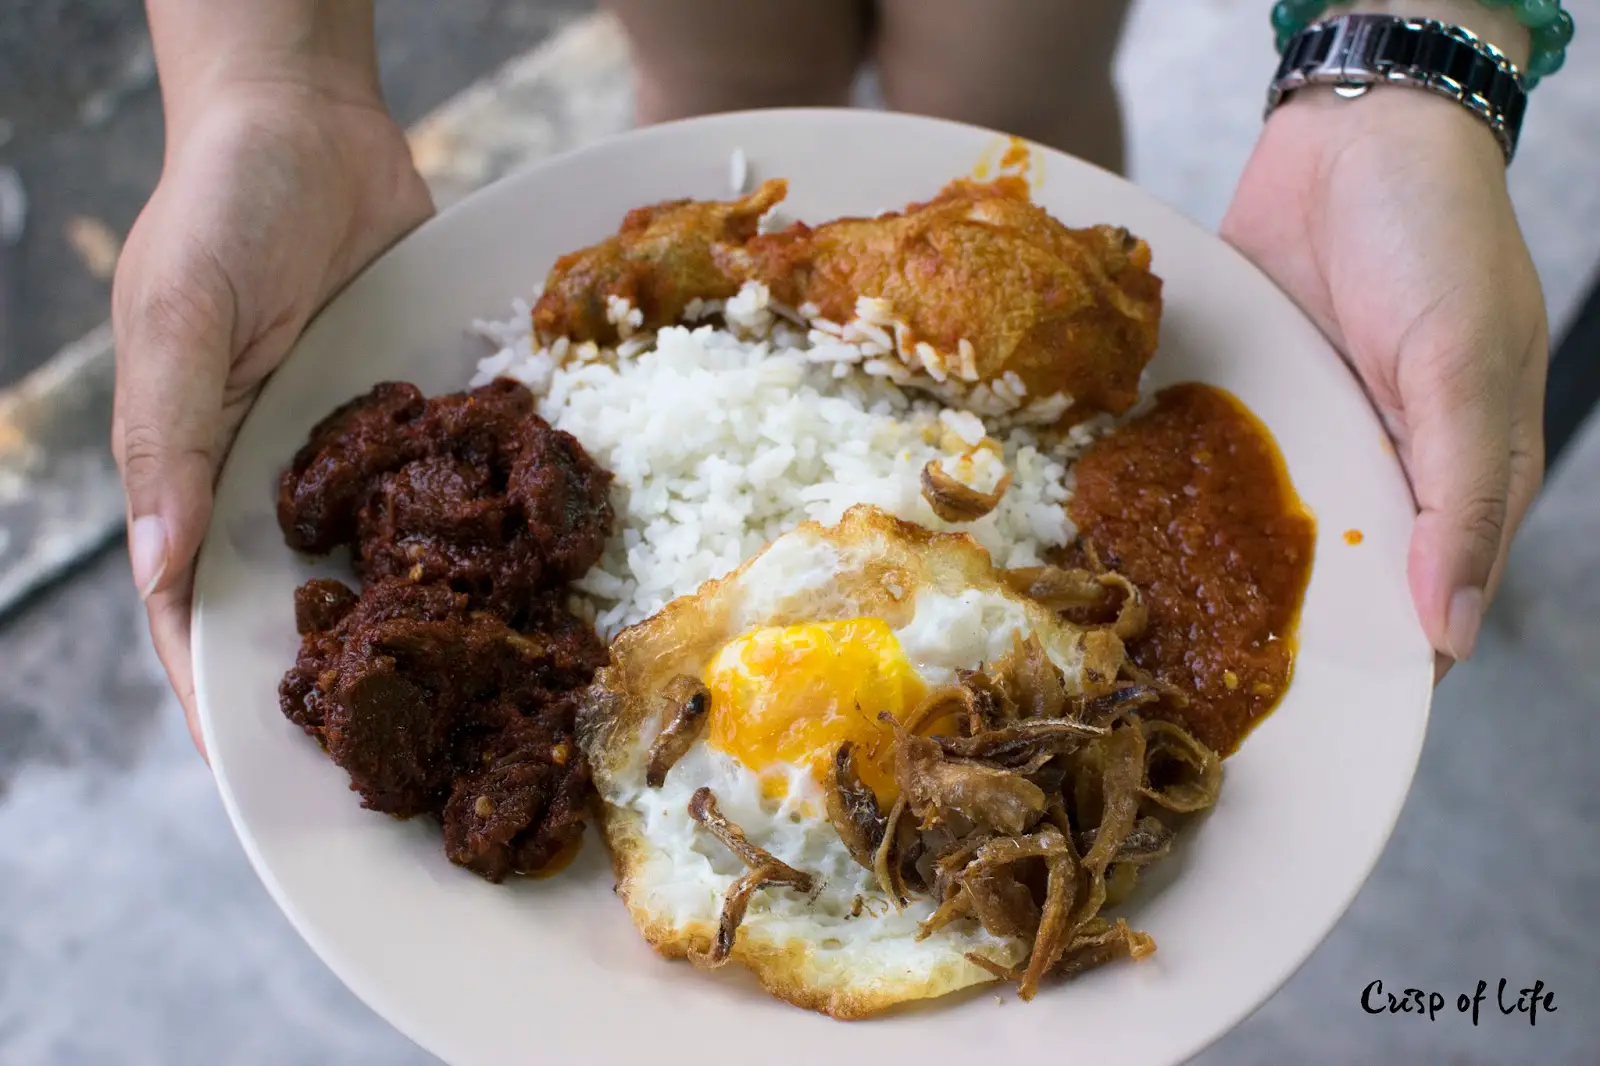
203 47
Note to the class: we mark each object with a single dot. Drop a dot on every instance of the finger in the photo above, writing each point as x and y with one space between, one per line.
1441 666
172 363
168 612
1527 476
1524 461
1526 480
1527 463
1459 462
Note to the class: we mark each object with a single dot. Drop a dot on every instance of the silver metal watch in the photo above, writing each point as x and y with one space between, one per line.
1352 53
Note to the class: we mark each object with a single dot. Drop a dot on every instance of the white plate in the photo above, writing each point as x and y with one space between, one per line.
553 970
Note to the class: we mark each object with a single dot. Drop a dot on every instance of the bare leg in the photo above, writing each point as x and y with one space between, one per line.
695 57
1039 69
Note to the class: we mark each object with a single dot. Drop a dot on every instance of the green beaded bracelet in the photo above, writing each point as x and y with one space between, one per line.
1549 25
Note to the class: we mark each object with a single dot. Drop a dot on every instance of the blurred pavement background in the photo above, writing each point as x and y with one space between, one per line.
132 930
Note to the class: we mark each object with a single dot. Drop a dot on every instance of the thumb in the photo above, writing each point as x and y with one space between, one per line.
172 366
1459 457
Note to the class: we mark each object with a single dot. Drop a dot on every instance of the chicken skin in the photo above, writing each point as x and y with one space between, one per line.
1074 311
659 260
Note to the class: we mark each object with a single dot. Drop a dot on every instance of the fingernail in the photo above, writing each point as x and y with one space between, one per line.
147 549
1461 627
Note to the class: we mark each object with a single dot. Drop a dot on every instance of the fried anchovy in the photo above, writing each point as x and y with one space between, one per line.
1015 740
765 869
737 901
690 702
886 863
853 808
955 501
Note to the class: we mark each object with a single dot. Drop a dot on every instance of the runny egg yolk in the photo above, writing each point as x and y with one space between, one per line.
790 695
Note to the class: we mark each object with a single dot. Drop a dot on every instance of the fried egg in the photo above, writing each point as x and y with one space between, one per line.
801 649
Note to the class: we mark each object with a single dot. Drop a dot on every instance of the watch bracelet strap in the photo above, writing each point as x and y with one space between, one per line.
1355 52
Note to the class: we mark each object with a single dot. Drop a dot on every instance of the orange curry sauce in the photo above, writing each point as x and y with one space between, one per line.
1192 502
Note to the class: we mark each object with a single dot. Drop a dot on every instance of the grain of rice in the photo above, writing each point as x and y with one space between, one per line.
871 336
697 309
968 356
878 312
964 424
928 355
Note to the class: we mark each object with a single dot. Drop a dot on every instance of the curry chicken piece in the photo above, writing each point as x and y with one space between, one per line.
1065 310
664 256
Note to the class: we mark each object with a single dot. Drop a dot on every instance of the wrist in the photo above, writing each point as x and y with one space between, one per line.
221 52
1417 108
1327 160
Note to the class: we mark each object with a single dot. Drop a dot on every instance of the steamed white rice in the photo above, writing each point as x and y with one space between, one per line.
722 439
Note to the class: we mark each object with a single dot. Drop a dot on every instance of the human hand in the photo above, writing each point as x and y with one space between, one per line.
274 193
1387 219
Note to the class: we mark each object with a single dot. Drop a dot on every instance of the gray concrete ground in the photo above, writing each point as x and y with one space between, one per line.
132 930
